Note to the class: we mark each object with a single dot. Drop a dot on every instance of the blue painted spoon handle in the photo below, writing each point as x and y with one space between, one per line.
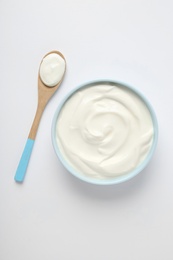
21 169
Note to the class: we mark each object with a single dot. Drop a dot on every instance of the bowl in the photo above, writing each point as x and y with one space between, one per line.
78 172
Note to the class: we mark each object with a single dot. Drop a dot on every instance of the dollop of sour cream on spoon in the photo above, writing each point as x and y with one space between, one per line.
52 69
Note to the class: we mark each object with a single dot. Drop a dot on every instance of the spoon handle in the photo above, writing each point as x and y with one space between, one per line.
22 167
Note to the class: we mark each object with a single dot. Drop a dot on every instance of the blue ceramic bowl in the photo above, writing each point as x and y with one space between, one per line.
117 179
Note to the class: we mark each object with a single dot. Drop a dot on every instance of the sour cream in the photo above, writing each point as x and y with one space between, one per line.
52 69
104 131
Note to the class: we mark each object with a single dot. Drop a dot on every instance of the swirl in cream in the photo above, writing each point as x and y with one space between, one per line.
104 131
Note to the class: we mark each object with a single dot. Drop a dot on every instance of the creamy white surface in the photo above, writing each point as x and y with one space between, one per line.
104 131
52 69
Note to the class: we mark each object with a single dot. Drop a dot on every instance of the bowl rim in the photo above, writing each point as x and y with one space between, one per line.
116 179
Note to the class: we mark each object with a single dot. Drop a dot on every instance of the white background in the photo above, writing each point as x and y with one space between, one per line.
53 215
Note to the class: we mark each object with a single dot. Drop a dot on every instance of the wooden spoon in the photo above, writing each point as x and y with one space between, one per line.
44 94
